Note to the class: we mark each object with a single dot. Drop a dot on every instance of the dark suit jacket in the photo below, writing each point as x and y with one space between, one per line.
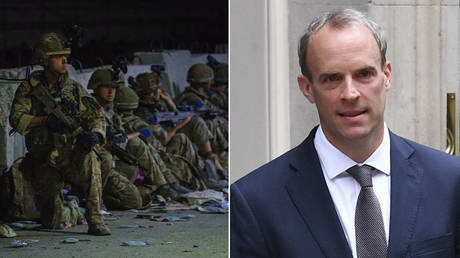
284 209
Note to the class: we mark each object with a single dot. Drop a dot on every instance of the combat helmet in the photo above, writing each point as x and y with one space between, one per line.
222 74
126 99
50 44
199 73
104 77
146 83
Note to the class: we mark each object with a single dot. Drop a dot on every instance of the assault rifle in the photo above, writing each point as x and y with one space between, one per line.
114 137
169 119
61 107
123 155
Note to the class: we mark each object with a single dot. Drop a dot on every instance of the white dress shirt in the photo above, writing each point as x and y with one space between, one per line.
344 189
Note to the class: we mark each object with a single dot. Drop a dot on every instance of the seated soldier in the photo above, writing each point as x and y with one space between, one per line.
200 77
218 94
118 191
155 99
132 145
63 126
175 167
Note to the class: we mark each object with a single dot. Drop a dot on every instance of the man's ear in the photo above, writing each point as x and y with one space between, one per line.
387 74
305 88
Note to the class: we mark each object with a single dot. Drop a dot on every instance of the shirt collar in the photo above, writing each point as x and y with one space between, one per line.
335 162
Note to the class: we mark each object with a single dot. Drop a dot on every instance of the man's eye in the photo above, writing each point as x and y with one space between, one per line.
365 74
331 78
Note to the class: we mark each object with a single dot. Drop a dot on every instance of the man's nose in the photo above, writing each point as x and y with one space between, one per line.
349 91
64 60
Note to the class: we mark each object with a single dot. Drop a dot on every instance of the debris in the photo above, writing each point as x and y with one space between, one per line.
104 212
70 240
131 226
170 219
199 197
16 225
6 231
209 209
187 216
28 222
169 224
196 246
110 218
188 251
18 243
167 243
145 216
135 243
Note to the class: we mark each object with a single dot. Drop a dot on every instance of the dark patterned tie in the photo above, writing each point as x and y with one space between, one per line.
370 232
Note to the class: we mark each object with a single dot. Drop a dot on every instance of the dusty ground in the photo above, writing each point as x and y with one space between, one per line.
205 235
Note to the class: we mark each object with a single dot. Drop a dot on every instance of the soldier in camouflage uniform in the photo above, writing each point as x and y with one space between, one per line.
178 170
219 90
155 99
154 179
200 77
54 154
118 191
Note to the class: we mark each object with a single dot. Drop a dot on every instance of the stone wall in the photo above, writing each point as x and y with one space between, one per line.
423 45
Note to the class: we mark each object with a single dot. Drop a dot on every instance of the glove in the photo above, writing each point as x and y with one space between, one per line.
153 120
114 136
87 140
54 124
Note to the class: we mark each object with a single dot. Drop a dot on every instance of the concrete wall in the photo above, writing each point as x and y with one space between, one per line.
13 147
423 45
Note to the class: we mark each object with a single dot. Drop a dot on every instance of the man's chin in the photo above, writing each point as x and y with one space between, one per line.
355 133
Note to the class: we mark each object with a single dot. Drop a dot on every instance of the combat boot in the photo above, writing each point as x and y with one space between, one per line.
98 230
180 188
166 192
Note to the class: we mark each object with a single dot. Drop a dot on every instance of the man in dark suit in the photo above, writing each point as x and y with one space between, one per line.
352 188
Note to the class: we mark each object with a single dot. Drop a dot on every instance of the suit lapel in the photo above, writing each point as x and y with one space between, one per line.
310 195
406 177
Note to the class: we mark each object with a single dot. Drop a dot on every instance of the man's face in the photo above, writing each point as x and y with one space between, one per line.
348 84
152 97
58 63
107 93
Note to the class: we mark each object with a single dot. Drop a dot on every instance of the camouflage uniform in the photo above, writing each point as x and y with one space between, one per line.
174 168
118 191
196 129
217 97
53 157
217 126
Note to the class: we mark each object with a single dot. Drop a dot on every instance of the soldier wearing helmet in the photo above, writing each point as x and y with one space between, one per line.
119 192
219 90
154 99
55 155
200 77
159 179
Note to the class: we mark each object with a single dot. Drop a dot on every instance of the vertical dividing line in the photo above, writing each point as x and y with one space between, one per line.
278 77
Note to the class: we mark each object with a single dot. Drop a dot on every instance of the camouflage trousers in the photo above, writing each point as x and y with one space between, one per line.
181 145
197 131
119 193
182 151
65 164
219 129
149 161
